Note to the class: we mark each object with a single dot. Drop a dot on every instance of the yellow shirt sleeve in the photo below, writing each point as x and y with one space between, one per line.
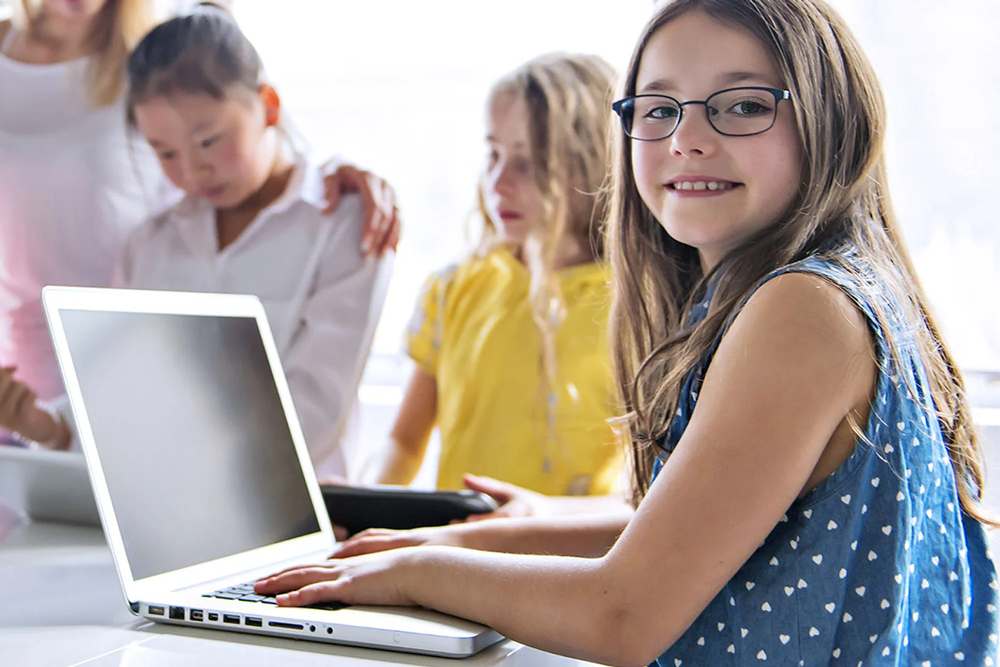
426 328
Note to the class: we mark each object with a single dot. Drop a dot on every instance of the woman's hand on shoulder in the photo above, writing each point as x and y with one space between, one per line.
378 199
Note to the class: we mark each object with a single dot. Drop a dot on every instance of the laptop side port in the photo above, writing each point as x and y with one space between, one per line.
177 613
231 618
253 622
156 610
197 615
286 626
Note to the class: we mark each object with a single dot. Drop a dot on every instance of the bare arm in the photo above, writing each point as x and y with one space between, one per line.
585 536
795 364
402 458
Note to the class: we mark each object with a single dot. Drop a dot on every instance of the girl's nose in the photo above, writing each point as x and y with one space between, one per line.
694 135
503 181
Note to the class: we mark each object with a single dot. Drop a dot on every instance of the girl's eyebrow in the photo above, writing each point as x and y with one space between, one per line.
493 140
727 79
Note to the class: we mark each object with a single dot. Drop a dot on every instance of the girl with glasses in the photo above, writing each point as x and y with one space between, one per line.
511 359
806 473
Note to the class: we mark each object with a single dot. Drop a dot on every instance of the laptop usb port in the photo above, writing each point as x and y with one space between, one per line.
177 613
231 618
286 626
197 615
155 610
254 622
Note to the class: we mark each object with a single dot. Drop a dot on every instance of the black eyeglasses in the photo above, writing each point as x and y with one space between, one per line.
733 112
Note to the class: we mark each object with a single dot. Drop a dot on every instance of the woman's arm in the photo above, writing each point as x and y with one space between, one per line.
400 461
793 367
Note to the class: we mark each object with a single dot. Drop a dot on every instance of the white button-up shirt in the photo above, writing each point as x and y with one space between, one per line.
323 298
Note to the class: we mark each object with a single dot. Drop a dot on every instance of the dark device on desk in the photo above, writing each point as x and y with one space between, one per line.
356 508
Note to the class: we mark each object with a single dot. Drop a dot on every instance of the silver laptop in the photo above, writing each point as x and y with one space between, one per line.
200 470
47 486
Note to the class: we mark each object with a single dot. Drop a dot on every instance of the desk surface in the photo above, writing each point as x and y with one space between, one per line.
61 606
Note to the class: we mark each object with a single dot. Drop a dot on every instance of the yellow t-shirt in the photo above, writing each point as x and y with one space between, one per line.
473 332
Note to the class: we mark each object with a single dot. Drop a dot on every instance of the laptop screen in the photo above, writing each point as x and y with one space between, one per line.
191 433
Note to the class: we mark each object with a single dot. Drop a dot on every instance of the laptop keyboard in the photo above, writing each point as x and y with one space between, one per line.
244 593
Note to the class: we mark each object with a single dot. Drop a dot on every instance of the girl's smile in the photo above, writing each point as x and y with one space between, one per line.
699 186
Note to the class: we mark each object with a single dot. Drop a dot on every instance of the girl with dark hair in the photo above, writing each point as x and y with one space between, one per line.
72 184
251 221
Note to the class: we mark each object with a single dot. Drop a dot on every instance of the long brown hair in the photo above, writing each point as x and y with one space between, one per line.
568 97
840 114
118 27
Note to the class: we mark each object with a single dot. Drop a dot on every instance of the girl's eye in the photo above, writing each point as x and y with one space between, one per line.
522 166
662 112
749 108
491 158
168 155
207 143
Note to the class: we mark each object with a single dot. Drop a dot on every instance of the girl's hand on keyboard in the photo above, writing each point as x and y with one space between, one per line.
379 579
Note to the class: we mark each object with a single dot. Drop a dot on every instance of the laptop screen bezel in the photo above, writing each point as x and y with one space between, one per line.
59 299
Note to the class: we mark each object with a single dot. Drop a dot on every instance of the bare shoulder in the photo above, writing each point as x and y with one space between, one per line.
810 308
5 26
799 334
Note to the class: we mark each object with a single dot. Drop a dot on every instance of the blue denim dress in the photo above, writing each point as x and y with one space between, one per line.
875 566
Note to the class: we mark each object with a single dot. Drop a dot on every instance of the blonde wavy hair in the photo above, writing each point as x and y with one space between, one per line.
568 98
840 114
118 27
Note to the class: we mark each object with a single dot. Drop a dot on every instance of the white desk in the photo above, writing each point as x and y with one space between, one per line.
61 606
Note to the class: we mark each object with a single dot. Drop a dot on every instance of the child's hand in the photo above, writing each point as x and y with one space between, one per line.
19 411
374 579
514 501
382 225
383 539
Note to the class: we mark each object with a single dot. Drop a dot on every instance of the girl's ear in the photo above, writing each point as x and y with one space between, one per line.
272 104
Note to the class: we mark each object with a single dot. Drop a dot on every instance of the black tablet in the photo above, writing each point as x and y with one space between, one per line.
356 508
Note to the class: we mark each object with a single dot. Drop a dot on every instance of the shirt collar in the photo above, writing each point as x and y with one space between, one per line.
192 215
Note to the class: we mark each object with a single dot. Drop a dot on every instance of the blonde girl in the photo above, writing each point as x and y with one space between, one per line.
511 363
